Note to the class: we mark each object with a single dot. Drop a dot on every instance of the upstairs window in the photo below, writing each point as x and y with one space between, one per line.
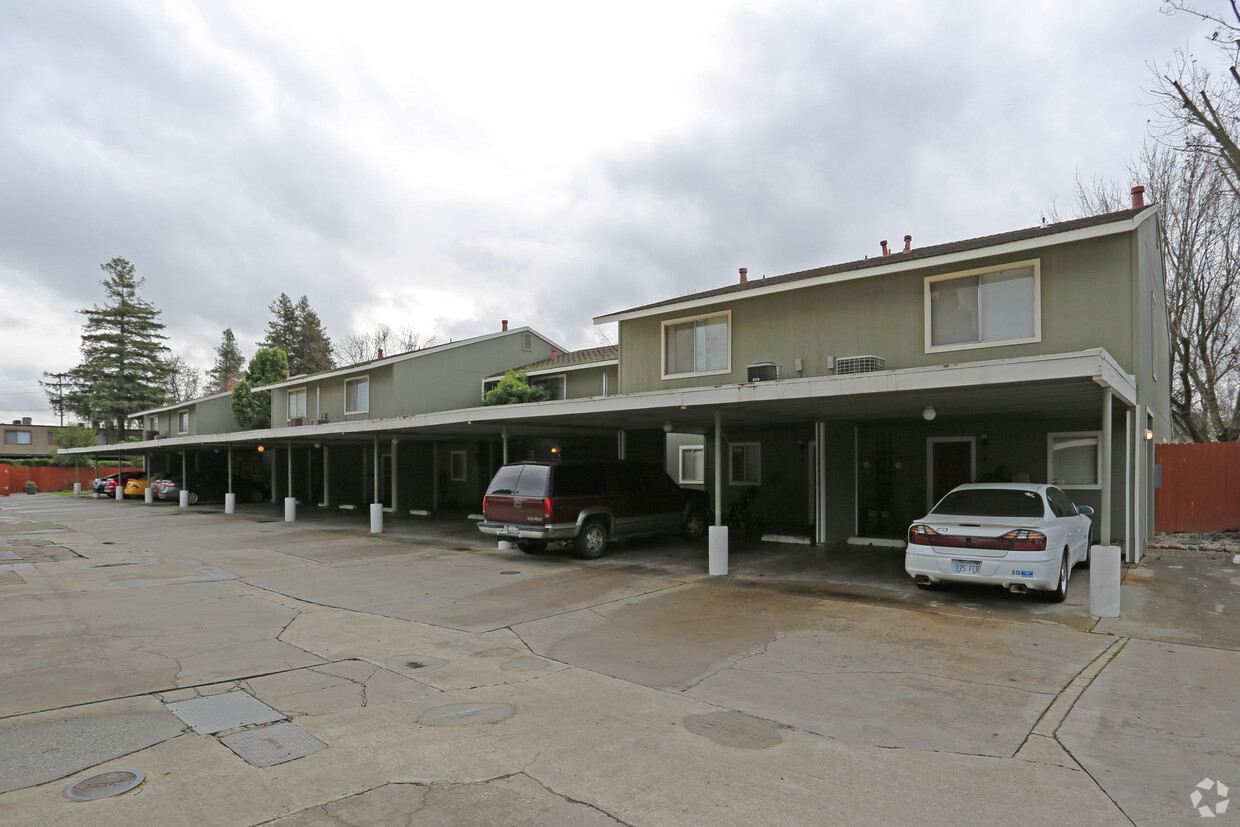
999 305
182 422
697 346
16 437
357 395
297 404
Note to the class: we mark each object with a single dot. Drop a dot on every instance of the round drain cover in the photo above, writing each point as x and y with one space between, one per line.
104 785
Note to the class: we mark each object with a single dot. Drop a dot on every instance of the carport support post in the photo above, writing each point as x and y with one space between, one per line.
376 507
325 472
1105 528
230 497
503 435
77 478
290 502
717 535
184 495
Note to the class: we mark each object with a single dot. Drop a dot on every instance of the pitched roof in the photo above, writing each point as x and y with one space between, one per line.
915 254
573 359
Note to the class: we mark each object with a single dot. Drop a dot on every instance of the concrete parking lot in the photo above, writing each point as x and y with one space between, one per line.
426 676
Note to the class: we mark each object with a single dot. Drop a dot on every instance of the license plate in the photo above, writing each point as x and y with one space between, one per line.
967 566
509 531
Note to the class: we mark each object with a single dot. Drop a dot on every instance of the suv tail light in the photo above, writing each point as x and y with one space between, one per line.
546 511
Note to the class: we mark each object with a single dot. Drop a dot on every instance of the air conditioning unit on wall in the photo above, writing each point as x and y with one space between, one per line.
763 372
296 420
845 365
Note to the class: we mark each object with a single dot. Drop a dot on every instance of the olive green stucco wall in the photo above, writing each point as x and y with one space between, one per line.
1087 301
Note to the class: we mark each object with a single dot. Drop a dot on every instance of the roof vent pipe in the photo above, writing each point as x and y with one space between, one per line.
555 353
744 275
380 353
504 322
886 252
908 243
1138 198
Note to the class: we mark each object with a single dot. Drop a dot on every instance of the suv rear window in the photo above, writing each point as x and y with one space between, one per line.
580 480
520 481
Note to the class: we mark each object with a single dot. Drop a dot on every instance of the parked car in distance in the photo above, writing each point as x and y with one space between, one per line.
1019 536
109 483
210 485
136 486
588 504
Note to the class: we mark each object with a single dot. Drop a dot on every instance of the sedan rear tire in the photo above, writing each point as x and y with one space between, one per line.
1060 592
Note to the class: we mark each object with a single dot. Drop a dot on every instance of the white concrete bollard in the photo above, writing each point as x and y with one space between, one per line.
717 540
77 489
290 509
1104 578
120 490
184 499
148 495
376 518
230 503
504 545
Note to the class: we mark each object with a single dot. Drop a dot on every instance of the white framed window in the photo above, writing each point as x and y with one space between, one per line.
183 422
357 395
456 461
555 385
692 465
16 437
1074 459
697 346
297 403
979 308
745 464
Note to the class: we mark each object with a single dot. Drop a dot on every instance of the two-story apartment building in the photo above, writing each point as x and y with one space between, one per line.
855 395
843 400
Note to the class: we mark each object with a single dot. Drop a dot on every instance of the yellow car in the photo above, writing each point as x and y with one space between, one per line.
136 487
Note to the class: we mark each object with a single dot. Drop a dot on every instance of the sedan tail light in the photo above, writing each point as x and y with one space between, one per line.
1026 539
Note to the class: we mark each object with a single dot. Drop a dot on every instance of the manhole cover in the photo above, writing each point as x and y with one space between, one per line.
104 785
274 744
216 713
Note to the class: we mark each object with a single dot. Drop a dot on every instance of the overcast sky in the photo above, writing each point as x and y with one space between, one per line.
443 166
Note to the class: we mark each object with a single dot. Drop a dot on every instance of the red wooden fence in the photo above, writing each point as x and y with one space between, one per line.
1200 487
54 478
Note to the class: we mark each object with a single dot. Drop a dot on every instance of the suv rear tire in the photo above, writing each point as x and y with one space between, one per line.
695 525
591 542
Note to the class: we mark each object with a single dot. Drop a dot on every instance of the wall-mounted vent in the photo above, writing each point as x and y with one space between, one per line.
845 365
319 421
763 372
296 421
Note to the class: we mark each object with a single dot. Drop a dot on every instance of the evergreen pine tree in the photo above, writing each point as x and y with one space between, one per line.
297 330
229 365
123 368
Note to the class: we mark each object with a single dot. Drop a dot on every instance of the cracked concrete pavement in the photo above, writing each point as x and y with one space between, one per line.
454 682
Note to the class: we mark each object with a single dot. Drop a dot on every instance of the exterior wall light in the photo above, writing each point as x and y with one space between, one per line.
1148 434
929 413
667 427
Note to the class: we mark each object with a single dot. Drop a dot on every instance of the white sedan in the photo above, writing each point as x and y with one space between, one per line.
1015 535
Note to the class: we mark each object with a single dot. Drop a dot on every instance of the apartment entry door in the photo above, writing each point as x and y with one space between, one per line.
950 461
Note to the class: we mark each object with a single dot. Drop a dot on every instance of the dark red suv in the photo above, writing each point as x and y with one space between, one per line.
588 504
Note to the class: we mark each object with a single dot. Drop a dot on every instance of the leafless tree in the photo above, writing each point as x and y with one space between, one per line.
1200 226
363 346
184 380
1200 110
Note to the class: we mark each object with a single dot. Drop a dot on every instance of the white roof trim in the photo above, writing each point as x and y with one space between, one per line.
964 256
413 354
554 370
1095 363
